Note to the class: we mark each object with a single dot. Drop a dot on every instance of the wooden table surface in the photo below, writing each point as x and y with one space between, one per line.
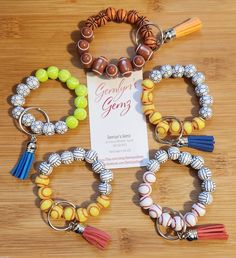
35 34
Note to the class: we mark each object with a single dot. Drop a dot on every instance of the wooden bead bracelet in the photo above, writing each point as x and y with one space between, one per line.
75 216
177 71
182 225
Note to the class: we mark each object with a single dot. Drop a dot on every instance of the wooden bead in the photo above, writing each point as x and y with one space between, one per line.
177 223
112 71
148 109
199 209
198 123
149 177
121 15
125 67
45 205
142 20
69 213
162 128
188 127
81 214
132 16
165 219
86 60
147 97
190 219
146 202
93 210
148 84
103 201
91 23
56 212
145 189
82 46
175 127
99 65
155 211
151 42
144 51
155 118
87 34
101 19
44 192
145 32
42 180
138 62
111 13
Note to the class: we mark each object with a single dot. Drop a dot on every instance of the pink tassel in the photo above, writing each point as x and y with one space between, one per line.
212 232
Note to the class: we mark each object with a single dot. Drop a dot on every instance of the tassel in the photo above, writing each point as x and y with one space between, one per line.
22 168
94 236
208 232
187 27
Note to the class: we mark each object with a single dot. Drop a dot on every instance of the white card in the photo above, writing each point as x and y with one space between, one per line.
118 127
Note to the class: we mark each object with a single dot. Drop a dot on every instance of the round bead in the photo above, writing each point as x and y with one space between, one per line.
17 100
87 60
142 20
72 83
204 173
98 166
173 153
87 34
16 112
145 189
162 128
161 156
121 15
175 127
188 127
145 31
206 100
148 109
197 162
151 42
102 19
105 188
125 67
99 65
82 46
147 97
165 219
37 127
45 169
103 201
153 165
41 75
112 71
148 84
155 76
208 185
42 180
166 71
44 193
81 214
132 17
138 62
146 202
177 223
205 198
79 154
91 156
190 219
93 210
201 90
45 205
198 123
149 177
32 82
155 118
185 158
144 51
106 175
199 209
111 13
72 122
91 23
80 114
69 213
67 157
155 211
64 75
56 212
81 90
206 112
22 89
54 160
189 70
52 72
81 102
61 127
198 78
27 119
49 129
177 71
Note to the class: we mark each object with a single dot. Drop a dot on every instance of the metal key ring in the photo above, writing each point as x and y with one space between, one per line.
24 112
174 141
160 39
65 228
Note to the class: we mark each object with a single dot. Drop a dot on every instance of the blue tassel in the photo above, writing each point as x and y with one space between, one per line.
202 142
22 168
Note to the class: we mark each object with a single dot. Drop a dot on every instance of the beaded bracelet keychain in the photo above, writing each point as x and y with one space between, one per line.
144 50
173 127
37 127
75 215
182 225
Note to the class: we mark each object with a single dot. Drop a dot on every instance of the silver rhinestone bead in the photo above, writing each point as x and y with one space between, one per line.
27 119
205 198
32 82
67 157
48 129
197 162
204 173
155 76
22 90
205 112
45 169
201 90
98 166
177 71
91 156
185 158
173 153
189 70
54 160
61 127
16 112
161 156
153 165
17 100
166 71
79 153
208 186
206 100
198 78
37 127
106 175
104 188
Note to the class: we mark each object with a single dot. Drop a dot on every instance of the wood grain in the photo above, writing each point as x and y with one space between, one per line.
35 34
